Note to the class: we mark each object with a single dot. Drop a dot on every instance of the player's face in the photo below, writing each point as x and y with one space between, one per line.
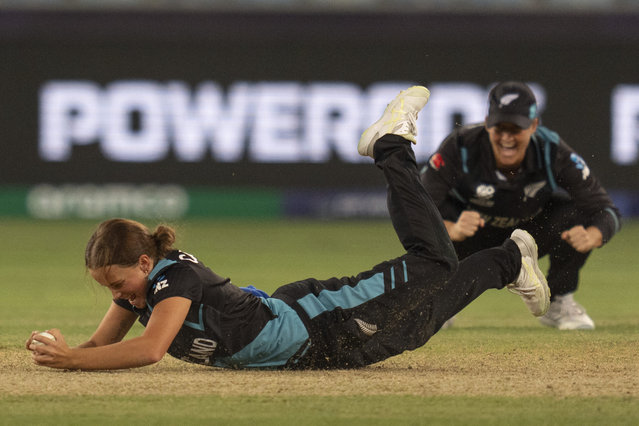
509 143
125 282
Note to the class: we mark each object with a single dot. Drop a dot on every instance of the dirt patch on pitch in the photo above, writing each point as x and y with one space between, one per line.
589 372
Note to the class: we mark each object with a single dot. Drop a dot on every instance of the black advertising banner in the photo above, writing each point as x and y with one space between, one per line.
279 101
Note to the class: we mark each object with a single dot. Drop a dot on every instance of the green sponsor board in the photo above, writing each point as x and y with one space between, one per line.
12 201
160 202
172 202
245 203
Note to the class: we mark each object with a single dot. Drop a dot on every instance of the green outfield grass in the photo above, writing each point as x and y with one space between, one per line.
466 375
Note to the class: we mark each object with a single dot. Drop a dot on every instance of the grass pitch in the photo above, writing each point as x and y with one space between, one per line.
496 366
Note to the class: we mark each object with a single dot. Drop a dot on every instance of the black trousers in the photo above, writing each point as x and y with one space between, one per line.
398 304
565 262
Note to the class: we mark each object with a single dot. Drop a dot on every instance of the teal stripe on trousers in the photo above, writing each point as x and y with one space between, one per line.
346 297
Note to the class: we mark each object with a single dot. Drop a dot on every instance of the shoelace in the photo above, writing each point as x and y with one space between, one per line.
407 126
528 291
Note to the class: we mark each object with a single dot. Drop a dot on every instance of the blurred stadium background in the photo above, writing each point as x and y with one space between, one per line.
252 108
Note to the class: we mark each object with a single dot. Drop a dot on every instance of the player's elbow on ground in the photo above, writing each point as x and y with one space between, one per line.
152 356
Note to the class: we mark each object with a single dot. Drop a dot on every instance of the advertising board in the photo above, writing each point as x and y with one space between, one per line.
239 102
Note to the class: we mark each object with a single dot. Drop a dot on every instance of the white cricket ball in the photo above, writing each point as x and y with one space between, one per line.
45 334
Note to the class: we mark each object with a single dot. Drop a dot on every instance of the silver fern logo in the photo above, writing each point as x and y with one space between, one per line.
532 189
365 327
507 99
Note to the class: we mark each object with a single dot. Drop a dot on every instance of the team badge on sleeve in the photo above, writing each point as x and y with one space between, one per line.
580 164
436 161
160 285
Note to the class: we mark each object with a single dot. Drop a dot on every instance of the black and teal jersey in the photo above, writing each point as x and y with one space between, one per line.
462 175
225 326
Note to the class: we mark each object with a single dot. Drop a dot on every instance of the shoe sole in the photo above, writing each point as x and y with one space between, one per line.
370 135
528 247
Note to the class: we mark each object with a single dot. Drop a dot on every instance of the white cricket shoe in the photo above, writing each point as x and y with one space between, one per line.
566 314
399 118
531 284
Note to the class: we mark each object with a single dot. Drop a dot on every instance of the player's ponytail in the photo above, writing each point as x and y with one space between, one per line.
164 237
123 241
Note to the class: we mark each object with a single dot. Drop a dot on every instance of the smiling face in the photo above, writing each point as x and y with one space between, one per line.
126 282
509 143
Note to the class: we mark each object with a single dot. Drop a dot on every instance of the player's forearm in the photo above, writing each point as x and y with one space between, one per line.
113 328
132 353
452 231
94 342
